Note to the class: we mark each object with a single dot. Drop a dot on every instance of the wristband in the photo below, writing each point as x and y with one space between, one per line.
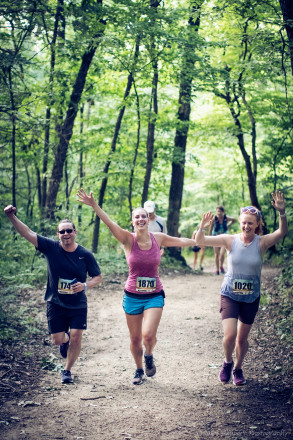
201 229
85 286
282 215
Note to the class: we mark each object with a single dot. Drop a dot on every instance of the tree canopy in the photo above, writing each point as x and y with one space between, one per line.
187 103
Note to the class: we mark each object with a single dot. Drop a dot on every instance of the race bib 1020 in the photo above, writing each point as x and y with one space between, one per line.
242 287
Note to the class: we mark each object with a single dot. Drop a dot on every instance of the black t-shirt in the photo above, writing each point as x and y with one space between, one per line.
63 268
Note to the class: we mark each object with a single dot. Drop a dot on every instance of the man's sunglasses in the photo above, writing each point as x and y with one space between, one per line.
69 231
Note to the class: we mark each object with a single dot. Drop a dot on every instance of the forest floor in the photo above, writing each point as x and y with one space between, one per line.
184 400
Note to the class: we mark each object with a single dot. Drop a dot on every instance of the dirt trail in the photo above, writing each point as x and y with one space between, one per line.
184 400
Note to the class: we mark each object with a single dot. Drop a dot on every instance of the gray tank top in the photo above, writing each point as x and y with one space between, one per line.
242 280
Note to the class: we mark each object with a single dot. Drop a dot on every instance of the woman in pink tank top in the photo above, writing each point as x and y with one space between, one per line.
143 299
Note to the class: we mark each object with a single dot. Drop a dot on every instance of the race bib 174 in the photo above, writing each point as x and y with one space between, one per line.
145 284
242 287
64 286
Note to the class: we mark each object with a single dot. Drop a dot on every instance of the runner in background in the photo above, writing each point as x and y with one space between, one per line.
220 225
240 291
143 299
156 223
197 250
68 265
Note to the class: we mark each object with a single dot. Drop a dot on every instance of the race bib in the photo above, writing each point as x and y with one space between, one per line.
145 284
64 286
242 287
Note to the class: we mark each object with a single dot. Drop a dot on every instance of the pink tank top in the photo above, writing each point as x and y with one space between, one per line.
143 268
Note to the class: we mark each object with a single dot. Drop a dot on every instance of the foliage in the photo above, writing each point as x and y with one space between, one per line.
285 285
16 320
240 48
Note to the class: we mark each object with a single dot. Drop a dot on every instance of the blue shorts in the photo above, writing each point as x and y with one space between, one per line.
136 306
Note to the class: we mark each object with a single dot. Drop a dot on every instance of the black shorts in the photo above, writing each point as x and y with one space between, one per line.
61 319
196 248
245 312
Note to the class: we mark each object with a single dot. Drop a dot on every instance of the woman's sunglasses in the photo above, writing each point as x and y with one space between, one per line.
251 210
69 231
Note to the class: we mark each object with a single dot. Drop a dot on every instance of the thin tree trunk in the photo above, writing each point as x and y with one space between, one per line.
58 17
80 164
152 117
151 133
95 241
29 191
135 152
178 162
287 11
67 127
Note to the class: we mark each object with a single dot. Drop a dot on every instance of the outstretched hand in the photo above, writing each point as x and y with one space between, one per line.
10 210
207 218
83 197
278 201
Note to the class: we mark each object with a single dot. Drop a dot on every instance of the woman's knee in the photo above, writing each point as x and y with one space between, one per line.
229 338
242 341
136 340
149 337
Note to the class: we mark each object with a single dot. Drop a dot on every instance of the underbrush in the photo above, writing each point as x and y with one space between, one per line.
285 306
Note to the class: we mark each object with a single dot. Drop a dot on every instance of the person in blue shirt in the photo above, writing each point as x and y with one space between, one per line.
220 225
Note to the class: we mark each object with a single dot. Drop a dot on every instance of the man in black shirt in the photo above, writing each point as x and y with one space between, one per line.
67 265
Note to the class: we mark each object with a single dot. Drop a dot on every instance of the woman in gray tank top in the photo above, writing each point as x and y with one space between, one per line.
240 291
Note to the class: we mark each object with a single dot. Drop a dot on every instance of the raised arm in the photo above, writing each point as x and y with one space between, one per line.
230 221
20 227
121 234
218 240
266 241
169 241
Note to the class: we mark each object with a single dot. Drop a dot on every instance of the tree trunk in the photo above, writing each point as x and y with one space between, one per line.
67 127
95 241
13 137
287 11
135 153
178 162
80 166
29 192
58 17
151 133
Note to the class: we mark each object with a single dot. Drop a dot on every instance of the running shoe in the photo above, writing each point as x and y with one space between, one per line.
150 368
238 378
217 272
64 347
66 377
201 268
138 376
225 373
222 269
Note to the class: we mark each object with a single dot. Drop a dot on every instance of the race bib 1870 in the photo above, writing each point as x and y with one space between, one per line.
64 286
242 287
145 284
